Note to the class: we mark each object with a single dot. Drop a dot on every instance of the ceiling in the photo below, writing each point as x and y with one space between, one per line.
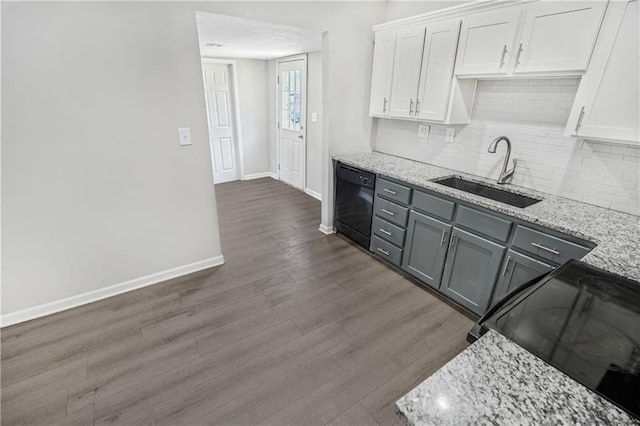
248 38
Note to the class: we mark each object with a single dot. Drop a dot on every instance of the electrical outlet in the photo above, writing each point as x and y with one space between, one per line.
314 117
423 131
451 133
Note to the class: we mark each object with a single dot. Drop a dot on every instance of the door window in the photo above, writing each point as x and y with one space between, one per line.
290 100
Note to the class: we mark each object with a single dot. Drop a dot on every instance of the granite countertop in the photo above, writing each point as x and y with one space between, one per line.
495 381
616 234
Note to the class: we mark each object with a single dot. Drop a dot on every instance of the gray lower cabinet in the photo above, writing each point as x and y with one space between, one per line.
471 269
426 248
516 270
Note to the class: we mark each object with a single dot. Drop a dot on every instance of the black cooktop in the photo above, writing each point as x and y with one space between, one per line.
586 323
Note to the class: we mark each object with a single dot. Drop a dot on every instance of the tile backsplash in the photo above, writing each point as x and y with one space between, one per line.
532 113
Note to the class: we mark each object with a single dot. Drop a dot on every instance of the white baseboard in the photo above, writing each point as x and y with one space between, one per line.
95 295
260 175
328 230
314 194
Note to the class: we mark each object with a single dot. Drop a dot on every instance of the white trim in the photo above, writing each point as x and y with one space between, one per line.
260 175
328 230
313 193
95 295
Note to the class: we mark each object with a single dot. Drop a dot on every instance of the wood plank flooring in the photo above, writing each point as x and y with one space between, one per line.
296 328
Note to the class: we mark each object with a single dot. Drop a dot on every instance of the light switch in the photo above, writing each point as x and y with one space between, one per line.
423 131
184 133
314 117
451 133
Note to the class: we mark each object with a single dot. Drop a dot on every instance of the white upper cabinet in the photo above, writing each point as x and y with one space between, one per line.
381 77
406 75
606 105
558 36
438 58
486 41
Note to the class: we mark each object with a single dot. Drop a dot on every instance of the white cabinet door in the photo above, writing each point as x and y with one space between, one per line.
382 74
436 75
606 105
485 42
558 36
406 72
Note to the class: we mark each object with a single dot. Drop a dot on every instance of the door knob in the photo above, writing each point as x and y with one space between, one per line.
300 137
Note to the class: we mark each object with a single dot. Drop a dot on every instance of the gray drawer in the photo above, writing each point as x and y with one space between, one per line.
391 212
386 250
393 191
387 231
433 205
483 223
547 246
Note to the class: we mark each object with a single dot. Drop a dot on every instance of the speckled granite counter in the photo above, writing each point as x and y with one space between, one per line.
497 382
616 234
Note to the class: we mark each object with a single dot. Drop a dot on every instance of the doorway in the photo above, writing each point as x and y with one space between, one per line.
292 103
221 118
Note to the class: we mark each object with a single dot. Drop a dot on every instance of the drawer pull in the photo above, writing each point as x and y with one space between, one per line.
506 266
383 251
390 213
444 235
384 231
390 191
550 250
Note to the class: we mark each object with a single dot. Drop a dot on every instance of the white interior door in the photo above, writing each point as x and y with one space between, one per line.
292 94
219 97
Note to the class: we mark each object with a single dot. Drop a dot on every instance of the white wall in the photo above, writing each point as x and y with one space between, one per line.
95 189
398 9
253 90
314 129
533 114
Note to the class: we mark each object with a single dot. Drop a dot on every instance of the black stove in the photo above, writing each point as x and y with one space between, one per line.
582 320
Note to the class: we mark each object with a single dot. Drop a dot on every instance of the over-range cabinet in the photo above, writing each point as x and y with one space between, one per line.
472 255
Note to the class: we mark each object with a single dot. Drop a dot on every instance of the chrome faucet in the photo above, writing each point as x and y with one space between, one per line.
504 174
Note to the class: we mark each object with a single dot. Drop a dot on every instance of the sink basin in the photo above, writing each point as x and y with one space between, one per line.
506 197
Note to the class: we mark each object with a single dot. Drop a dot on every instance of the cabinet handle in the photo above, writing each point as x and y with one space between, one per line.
506 266
410 106
384 231
550 250
444 235
383 251
520 49
504 52
452 242
417 107
384 104
579 123
390 191
388 212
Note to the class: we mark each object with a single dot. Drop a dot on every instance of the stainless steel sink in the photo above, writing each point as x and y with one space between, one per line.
506 197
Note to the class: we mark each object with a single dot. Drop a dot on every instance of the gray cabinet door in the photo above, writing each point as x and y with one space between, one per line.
516 270
426 248
471 269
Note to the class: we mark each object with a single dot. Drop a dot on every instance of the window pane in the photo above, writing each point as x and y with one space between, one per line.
285 80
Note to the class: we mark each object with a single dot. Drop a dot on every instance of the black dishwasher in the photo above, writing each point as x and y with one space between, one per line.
354 203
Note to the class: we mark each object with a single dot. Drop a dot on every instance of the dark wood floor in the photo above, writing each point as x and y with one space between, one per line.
296 328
